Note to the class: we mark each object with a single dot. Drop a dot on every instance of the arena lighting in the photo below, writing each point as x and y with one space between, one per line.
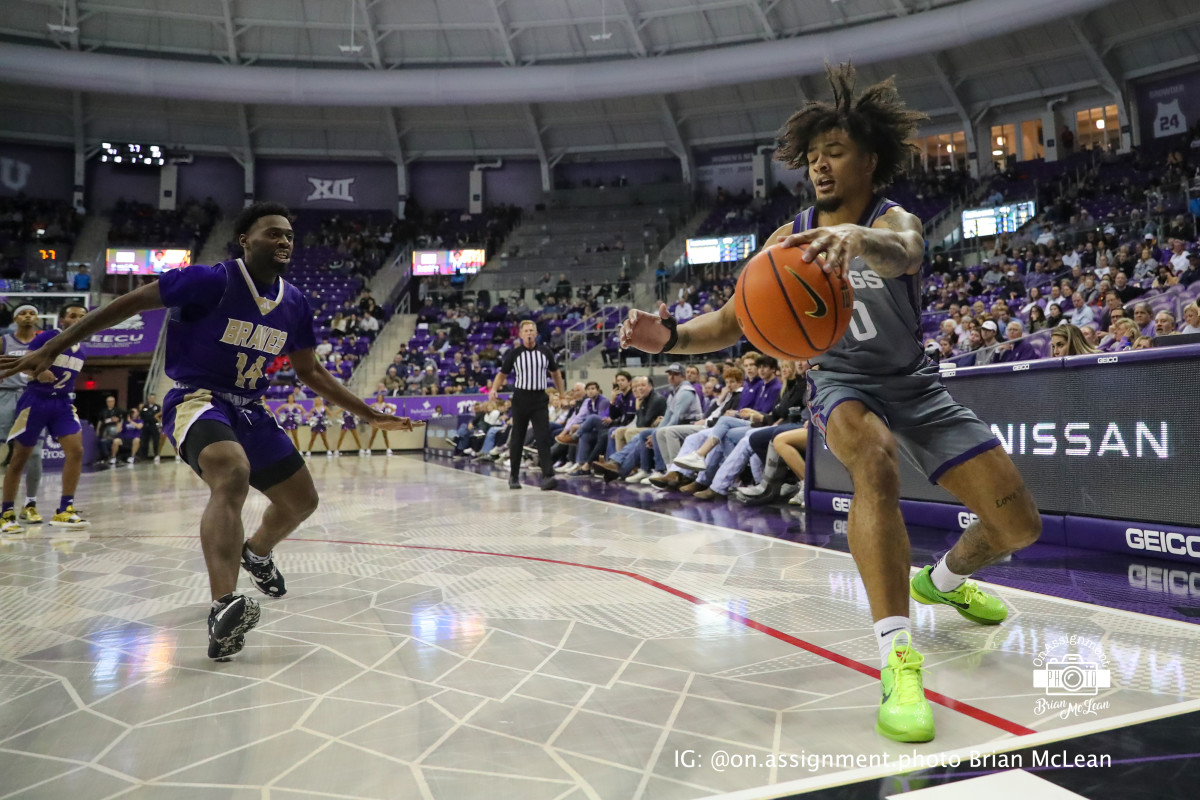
1000 140
1100 124
997 152
949 148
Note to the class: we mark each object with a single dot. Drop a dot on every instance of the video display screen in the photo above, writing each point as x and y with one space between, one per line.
143 261
978 222
721 248
448 262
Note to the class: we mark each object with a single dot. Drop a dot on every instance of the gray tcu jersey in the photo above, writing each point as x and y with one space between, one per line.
884 337
14 347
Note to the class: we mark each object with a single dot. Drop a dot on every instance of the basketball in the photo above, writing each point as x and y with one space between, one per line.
790 308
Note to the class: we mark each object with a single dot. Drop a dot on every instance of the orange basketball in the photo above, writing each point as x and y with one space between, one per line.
790 308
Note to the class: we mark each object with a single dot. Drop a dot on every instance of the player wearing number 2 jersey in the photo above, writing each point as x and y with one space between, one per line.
227 322
47 404
874 394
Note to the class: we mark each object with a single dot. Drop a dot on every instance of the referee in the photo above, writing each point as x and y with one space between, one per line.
528 363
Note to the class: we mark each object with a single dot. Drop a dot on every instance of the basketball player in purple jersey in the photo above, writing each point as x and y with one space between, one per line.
227 322
17 344
47 405
874 394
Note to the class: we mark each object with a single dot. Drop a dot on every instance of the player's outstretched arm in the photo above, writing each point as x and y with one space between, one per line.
707 333
35 361
893 246
314 374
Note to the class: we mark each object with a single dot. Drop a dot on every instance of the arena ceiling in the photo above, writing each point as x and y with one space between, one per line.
415 79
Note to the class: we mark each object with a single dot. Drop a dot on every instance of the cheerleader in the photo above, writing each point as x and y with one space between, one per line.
290 415
349 425
381 404
317 421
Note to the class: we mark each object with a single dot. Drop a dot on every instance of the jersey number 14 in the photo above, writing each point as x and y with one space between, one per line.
248 378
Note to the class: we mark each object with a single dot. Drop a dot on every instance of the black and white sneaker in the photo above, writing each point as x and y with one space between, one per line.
263 573
228 622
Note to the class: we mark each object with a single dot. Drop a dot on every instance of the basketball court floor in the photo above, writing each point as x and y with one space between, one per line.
445 637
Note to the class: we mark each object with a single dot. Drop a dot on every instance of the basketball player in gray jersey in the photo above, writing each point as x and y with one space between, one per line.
874 394
17 344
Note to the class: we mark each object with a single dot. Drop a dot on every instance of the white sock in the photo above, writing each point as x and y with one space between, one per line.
943 579
886 630
31 501
255 558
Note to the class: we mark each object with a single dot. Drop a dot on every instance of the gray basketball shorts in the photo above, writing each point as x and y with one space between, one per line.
933 430
8 411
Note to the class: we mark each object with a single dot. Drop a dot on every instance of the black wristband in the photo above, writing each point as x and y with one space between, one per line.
673 326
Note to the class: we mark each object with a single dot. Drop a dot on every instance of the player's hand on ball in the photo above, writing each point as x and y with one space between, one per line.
838 243
34 362
644 331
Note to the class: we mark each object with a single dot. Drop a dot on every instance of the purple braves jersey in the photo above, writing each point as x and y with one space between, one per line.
223 333
66 369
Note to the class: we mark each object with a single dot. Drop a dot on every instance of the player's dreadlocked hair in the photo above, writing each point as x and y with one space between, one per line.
877 120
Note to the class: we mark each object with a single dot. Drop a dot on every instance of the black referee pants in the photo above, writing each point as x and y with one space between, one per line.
530 407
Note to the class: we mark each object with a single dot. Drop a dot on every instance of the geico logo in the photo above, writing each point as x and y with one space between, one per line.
1079 439
965 518
840 526
841 504
1161 579
1163 541
1020 367
1107 360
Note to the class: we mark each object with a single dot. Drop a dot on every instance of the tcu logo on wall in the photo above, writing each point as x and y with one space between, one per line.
337 189
14 174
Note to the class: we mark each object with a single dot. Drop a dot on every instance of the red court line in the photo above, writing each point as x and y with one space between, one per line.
1008 726
949 702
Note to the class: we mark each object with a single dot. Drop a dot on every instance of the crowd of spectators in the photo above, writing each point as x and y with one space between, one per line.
141 224
26 221
736 428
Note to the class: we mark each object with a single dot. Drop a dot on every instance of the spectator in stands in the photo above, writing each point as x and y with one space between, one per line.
1164 323
1179 256
1068 340
1037 319
1143 316
1192 273
651 410
339 323
1143 343
761 400
82 280
1081 313
1191 318
1165 278
1112 303
429 380
1015 348
368 326
670 442
1125 290
1054 315
1120 337
392 382
989 338
1035 300
946 348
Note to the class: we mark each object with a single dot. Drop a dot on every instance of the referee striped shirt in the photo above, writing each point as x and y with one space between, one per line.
529 369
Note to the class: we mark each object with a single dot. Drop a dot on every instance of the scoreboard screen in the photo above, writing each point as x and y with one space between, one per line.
978 222
448 262
144 261
721 248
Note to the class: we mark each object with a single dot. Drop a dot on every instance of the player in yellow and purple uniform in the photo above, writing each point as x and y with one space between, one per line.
47 404
227 322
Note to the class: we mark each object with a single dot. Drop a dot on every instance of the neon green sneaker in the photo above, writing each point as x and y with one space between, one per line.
968 599
904 713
